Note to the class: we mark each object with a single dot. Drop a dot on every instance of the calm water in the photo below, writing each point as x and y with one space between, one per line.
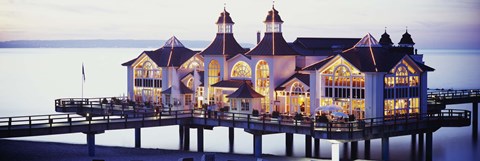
32 78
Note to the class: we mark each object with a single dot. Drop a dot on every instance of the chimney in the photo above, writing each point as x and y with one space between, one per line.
258 37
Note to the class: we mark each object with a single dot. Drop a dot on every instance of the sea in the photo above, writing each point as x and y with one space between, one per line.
32 78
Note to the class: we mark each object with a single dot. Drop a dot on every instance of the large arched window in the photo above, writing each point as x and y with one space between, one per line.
402 93
213 77
262 84
297 89
242 70
298 98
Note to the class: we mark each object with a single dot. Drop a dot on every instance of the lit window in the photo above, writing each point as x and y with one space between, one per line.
241 69
262 85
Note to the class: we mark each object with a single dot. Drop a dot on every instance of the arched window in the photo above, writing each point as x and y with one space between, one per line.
262 84
297 89
147 69
241 69
213 77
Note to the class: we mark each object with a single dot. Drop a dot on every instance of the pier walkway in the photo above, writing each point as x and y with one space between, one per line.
91 117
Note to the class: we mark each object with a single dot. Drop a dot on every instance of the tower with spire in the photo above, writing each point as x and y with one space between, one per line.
385 40
406 40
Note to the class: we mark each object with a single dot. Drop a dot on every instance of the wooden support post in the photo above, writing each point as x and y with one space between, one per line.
257 139
200 139
137 137
91 144
354 150
385 149
308 146
316 148
231 136
428 146
288 144
367 149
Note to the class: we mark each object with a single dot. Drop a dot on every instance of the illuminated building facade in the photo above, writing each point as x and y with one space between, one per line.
365 77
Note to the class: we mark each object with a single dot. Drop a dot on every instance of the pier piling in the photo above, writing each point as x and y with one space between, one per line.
420 146
335 151
367 149
428 146
91 144
345 151
200 139
308 146
413 147
385 149
137 137
180 135
231 134
475 121
186 138
316 148
288 144
257 147
354 150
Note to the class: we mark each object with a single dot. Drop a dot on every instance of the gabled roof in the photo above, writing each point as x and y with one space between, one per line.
272 44
200 73
319 64
312 46
245 91
224 44
232 83
366 56
183 89
173 53
304 78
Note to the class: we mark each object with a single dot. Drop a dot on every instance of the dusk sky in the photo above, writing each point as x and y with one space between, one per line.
432 23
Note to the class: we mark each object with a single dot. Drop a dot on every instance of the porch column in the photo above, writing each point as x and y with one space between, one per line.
308 146
428 146
200 139
316 148
385 149
288 144
137 137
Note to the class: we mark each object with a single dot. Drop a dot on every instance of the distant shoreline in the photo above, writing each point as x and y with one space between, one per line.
101 44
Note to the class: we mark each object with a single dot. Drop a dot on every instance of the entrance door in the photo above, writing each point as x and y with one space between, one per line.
147 95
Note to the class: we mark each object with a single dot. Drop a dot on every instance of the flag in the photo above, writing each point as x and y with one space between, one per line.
83 72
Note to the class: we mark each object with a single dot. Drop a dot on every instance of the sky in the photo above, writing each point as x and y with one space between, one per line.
432 23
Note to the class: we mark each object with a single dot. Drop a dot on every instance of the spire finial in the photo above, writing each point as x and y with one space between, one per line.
224 6
273 4
406 29
385 29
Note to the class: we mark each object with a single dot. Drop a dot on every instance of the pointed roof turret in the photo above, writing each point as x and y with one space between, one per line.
385 40
273 16
224 42
368 41
406 39
225 18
